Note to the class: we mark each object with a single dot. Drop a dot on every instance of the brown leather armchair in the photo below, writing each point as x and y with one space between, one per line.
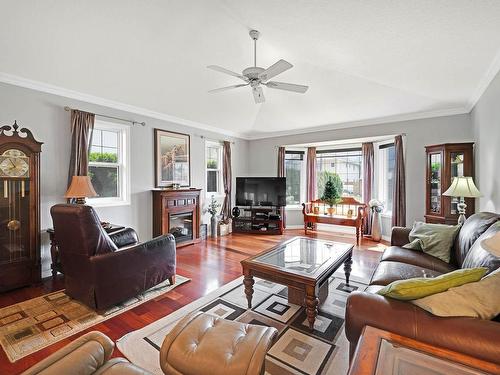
475 337
101 272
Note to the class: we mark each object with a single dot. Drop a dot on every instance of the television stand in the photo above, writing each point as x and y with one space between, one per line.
259 220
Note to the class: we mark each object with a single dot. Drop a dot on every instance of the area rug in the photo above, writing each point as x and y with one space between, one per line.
296 351
34 324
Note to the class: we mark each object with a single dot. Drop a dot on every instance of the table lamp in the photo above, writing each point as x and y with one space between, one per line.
462 187
492 244
80 188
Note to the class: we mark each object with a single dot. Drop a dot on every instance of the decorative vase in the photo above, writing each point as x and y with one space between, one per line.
376 226
330 210
213 226
316 210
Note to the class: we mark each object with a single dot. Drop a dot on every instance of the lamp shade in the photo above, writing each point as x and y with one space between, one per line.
81 187
463 187
492 244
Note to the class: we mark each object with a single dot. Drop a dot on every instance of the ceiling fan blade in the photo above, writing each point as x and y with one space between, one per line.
258 94
287 86
226 71
275 69
228 88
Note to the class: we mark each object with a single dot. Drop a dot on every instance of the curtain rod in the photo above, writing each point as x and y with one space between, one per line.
106 116
214 140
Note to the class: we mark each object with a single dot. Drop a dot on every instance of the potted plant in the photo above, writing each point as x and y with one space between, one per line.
331 195
212 209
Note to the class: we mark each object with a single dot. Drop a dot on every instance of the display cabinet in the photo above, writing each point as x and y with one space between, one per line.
444 162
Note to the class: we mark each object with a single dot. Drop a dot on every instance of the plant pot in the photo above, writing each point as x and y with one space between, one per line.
376 226
213 226
330 210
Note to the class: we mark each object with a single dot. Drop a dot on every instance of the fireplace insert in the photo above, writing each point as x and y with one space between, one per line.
181 226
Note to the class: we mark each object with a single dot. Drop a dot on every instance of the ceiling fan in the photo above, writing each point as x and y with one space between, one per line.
255 76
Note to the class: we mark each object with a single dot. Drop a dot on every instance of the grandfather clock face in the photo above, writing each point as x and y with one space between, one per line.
14 163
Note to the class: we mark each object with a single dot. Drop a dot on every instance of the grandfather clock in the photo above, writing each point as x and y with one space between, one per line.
19 208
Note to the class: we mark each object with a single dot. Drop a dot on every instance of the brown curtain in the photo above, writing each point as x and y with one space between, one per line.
399 197
82 125
227 177
368 155
282 173
311 174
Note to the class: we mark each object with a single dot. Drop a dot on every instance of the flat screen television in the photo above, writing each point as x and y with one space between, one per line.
261 191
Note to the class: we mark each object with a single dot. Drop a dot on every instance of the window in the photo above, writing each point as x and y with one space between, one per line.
386 175
294 170
347 164
108 163
213 156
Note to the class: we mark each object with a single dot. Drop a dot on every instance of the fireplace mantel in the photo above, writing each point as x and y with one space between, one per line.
177 211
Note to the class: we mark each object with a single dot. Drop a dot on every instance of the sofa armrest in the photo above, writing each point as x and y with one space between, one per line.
124 237
82 356
400 236
475 337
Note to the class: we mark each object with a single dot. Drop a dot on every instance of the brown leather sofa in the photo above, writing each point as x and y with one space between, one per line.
475 337
102 270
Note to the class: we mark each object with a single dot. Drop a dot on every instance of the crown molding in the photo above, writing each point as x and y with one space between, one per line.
71 94
484 82
367 122
60 91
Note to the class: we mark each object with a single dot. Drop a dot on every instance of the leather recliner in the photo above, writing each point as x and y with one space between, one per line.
100 270
475 337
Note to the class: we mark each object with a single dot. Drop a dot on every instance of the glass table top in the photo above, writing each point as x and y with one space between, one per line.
306 256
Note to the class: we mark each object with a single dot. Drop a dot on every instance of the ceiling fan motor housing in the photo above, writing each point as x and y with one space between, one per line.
253 72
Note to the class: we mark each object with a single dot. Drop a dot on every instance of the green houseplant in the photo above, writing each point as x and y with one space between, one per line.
332 194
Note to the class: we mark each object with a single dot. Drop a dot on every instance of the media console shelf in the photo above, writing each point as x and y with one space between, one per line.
259 220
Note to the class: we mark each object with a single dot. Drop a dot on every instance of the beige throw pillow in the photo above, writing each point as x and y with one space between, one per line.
479 299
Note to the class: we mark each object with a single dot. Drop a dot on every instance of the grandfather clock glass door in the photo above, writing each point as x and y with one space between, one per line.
19 208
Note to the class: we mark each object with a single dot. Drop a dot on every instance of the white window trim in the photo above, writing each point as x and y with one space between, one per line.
124 162
381 166
220 188
296 207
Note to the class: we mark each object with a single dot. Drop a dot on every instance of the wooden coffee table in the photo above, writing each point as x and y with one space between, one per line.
304 265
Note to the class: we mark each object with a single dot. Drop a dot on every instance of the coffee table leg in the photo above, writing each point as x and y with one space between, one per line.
347 268
312 302
248 281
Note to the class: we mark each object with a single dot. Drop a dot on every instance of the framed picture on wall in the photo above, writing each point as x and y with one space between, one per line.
172 159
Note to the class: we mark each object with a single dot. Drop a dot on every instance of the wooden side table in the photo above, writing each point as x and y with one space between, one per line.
56 265
381 352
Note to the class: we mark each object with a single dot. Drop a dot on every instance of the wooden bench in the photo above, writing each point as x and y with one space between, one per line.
349 212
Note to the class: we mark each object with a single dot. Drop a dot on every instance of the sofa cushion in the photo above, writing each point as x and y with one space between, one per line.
416 258
472 229
389 271
419 287
433 239
477 300
478 256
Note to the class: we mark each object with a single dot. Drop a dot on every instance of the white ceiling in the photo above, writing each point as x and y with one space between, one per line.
365 61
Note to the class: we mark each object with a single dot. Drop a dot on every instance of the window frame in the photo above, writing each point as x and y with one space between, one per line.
220 188
123 164
382 168
302 191
339 151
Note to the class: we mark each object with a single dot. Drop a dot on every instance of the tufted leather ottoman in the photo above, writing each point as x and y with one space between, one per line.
204 344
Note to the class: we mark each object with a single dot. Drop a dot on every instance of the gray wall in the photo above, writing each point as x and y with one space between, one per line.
486 122
44 115
419 133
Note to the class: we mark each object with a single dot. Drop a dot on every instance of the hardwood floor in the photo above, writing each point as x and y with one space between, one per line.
209 264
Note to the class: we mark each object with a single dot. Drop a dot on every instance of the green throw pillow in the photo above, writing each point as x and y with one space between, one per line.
419 287
433 239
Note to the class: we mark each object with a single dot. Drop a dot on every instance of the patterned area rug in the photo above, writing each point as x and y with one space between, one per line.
39 322
297 349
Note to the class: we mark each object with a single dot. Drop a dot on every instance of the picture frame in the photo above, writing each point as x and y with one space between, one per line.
172 159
